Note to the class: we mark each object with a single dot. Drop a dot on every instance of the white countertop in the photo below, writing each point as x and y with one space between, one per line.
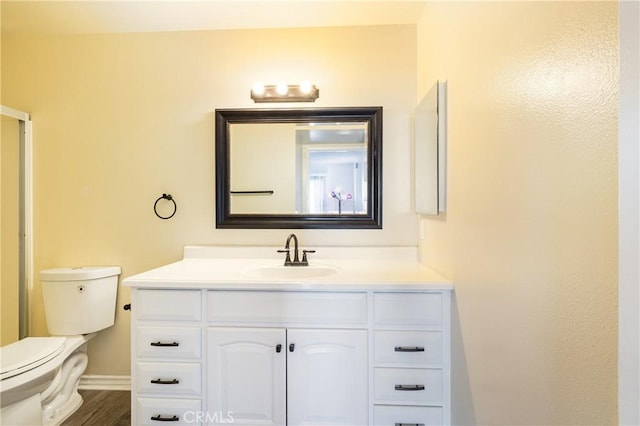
235 268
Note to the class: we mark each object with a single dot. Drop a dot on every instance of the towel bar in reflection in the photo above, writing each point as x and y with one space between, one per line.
251 192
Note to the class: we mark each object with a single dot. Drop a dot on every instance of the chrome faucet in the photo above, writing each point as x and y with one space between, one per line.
296 259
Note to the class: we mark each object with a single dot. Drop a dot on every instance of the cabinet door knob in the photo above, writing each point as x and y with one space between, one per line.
161 418
278 348
292 347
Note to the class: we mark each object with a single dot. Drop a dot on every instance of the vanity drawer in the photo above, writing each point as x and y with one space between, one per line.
396 415
407 347
168 305
408 309
416 386
169 378
159 411
168 342
290 307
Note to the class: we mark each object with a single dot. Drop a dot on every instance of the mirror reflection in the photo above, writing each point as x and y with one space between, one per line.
318 168
304 168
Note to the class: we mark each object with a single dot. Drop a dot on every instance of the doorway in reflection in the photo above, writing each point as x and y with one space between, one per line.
331 163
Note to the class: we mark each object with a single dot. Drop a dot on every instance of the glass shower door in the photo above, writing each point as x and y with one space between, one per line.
15 220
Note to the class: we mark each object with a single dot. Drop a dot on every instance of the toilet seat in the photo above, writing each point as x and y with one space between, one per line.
28 353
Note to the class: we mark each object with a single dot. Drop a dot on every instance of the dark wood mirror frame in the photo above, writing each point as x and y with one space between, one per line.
370 220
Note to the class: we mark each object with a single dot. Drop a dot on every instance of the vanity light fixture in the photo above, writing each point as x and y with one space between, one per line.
304 92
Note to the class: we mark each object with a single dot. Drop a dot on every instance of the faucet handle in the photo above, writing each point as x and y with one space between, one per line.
304 256
287 260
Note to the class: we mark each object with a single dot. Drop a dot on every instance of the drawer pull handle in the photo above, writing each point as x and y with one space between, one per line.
409 387
165 382
165 344
278 348
160 418
409 349
409 424
292 347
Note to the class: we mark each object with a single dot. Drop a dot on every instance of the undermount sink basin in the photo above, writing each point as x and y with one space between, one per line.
280 272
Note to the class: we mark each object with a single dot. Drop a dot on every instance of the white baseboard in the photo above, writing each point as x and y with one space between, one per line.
95 382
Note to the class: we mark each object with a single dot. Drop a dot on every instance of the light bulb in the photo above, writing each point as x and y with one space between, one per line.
258 89
282 89
305 87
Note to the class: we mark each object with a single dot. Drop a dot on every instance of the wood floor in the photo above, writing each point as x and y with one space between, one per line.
102 408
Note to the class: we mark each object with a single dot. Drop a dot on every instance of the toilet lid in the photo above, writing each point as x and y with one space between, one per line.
28 353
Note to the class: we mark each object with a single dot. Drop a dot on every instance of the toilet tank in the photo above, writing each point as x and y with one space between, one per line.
79 300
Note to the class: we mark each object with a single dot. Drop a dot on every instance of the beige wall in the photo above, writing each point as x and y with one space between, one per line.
530 236
120 119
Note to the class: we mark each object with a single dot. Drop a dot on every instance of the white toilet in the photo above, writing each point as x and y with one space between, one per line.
40 375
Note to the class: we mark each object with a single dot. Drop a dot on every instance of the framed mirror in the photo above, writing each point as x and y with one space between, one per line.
299 168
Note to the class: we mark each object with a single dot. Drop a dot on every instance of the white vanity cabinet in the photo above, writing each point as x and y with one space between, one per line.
167 364
308 376
278 357
411 358
361 351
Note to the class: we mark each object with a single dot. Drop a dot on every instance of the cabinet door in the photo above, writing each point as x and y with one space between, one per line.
327 377
246 375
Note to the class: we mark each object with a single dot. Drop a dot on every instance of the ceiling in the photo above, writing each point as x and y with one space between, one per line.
109 16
